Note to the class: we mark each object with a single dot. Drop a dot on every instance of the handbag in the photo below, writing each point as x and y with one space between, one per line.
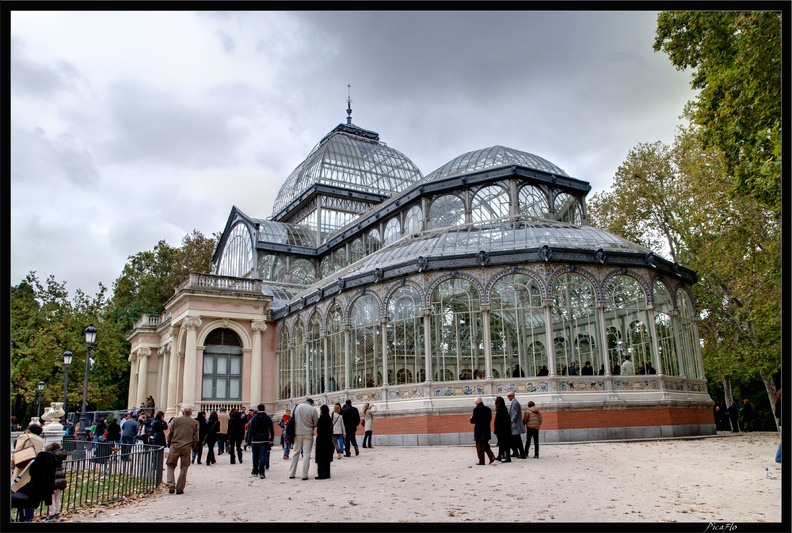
23 456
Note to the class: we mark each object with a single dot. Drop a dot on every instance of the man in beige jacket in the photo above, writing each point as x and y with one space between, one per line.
222 434
182 438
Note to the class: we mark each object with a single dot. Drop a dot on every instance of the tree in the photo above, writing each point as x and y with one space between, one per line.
676 198
736 57
150 278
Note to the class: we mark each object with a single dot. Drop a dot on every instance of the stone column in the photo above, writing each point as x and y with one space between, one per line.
324 365
655 341
680 360
346 356
258 326
171 409
384 324
143 355
485 321
604 336
133 372
551 360
192 323
161 401
427 319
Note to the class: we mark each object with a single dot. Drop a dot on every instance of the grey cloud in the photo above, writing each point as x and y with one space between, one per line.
228 43
36 157
30 78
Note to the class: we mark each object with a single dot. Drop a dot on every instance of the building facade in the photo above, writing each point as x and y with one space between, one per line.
375 283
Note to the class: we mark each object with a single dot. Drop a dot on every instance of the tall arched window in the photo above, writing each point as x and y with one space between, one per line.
392 231
315 355
283 353
339 259
517 326
326 267
687 337
413 220
298 361
373 241
366 345
222 366
626 311
356 250
490 203
237 257
533 202
575 331
447 211
567 209
456 329
405 341
664 311
335 350
302 272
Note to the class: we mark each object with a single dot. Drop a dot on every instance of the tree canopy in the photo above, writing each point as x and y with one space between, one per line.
736 58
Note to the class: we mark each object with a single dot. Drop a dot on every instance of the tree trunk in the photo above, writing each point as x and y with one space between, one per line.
727 390
771 391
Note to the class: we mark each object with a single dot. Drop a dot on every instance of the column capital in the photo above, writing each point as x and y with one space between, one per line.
180 354
258 325
192 322
144 352
132 357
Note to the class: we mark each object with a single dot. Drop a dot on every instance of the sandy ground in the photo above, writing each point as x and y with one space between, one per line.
713 479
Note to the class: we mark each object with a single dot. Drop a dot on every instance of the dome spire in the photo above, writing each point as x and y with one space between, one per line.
349 104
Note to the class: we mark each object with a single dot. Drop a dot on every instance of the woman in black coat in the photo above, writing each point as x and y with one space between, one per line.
113 431
212 427
158 427
202 429
502 430
325 449
236 434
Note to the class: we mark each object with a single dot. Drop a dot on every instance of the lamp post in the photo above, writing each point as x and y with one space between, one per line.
38 407
90 337
67 359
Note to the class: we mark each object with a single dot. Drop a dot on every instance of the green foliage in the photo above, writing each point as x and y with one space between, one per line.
736 58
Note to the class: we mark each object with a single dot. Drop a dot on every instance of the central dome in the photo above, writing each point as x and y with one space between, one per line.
493 157
352 158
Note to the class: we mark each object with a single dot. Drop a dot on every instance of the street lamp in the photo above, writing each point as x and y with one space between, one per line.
40 390
90 337
67 359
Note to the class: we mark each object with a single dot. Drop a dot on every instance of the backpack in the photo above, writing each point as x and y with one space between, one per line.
290 429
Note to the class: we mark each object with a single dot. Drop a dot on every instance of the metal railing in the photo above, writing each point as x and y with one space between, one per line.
98 473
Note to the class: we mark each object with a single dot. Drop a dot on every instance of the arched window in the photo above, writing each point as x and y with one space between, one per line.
413 220
315 356
222 366
279 270
392 231
302 272
687 337
405 334
456 329
490 203
335 350
575 330
298 361
356 250
326 267
237 257
533 202
517 325
626 312
373 241
366 345
283 354
339 259
664 326
446 211
567 209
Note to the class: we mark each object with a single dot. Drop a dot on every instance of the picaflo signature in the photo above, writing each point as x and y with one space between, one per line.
727 526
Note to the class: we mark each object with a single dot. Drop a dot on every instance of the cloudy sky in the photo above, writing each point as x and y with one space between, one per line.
131 127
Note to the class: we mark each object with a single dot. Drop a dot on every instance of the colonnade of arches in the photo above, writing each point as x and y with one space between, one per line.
513 326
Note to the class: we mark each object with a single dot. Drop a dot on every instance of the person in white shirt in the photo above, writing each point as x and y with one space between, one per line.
627 368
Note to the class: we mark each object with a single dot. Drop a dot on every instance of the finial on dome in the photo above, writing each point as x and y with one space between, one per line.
349 104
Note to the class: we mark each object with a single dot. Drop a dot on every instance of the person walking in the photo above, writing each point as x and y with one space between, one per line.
517 427
182 438
129 432
212 427
202 430
285 443
734 414
260 436
305 419
747 415
60 483
533 421
368 412
338 430
502 430
351 417
481 420
222 433
324 443
236 434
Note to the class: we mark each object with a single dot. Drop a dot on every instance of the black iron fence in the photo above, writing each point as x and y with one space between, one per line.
98 473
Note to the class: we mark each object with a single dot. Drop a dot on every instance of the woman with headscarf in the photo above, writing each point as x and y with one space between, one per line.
502 430
324 443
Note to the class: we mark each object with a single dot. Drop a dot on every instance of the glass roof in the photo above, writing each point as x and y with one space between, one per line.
493 157
283 233
513 233
353 161
281 294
